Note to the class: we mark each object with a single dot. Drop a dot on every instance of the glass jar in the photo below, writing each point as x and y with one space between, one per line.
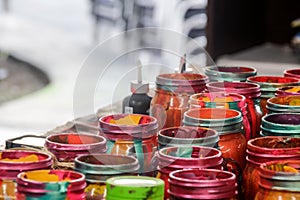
223 100
12 162
67 146
283 104
295 73
269 84
134 188
175 158
138 139
183 136
279 180
265 149
171 97
192 184
281 124
228 123
229 73
97 168
286 91
251 92
51 184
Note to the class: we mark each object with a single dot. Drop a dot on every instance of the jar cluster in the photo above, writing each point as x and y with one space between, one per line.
226 134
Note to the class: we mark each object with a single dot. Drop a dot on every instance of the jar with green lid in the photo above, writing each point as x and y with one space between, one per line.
279 180
134 188
281 124
97 168
283 104
229 73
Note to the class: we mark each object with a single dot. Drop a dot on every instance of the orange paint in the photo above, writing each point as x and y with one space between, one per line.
44 176
127 120
29 158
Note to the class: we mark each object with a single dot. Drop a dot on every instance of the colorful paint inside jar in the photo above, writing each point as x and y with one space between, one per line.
67 146
279 180
266 149
12 162
137 138
281 124
171 96
223 100
134 188
289 90
229 73
251 91
284 104
51 184
184 136
191 184
97 168
269 84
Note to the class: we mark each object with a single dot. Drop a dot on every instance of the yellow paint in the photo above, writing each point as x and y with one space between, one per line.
293 89
95 189
43 176
282 168
294 102
128 120
29 158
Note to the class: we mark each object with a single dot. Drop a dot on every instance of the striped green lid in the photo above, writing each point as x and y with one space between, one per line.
134 187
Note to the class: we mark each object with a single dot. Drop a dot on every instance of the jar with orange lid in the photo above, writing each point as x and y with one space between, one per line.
171 97
279 180
131 134
228 123
266 149
223 100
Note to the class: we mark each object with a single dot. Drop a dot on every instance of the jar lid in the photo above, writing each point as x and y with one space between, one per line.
269 84
249 90
105 164
134 187
181 82
229 73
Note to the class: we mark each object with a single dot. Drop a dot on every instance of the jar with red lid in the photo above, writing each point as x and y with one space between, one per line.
171 97
67 146
269 84
287 91
223 100
200 184
131 134
229 73
266 149
13 162
251 92
279 180
175 158
295 73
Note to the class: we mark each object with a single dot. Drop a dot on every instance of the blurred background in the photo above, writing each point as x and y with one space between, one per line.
44 44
